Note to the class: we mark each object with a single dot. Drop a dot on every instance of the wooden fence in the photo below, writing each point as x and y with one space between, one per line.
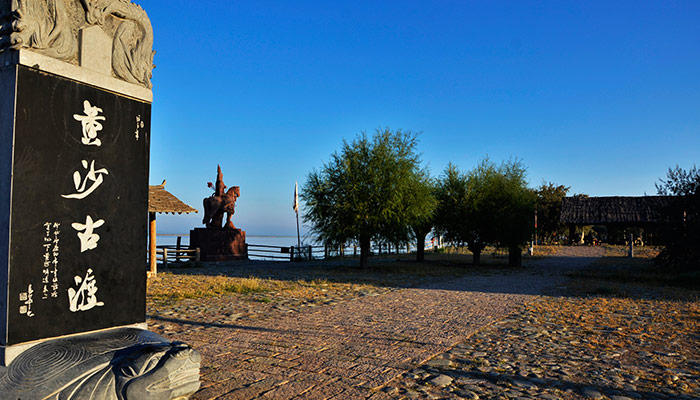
170 254
282 253
295 253
173 254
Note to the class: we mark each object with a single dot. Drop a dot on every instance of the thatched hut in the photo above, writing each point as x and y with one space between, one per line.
164 202
616 212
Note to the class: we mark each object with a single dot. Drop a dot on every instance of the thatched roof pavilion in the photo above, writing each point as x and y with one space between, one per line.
581 210
164 202
615 212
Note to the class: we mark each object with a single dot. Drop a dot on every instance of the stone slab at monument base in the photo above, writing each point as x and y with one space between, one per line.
123 363
219 244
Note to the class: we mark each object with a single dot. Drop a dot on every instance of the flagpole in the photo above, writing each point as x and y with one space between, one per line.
296 211
298 237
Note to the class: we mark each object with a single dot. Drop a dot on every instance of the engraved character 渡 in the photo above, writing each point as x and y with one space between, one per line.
84 297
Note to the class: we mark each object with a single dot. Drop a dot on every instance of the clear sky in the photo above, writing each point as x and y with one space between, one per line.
602 96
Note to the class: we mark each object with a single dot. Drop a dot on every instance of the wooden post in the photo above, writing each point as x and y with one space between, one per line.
198 254
354 250
309 252
165 257
631 251
177 248
325 251
397 249
152 243
291 253
342 250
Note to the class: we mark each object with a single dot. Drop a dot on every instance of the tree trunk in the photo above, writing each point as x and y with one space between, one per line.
420 247
572 234
364 252
515 256
476 252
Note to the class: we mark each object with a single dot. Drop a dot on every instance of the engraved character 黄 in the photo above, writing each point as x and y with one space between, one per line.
90 125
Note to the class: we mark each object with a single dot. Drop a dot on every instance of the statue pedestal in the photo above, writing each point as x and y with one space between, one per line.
219 244
116 364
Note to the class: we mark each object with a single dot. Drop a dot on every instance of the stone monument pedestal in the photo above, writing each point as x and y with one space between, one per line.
219 244
117 364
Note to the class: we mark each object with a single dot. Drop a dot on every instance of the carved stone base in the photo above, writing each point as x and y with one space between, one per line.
120 364
219 244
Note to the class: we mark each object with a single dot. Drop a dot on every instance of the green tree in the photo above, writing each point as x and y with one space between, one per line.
488 205
455 216
549 199
423 196
367 191
682 215
514 205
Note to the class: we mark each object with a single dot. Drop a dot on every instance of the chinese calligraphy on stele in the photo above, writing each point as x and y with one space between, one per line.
92 175
49 278
88 239
90 125
28 299
83 298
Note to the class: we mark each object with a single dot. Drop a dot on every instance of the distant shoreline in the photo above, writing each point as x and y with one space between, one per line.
186 234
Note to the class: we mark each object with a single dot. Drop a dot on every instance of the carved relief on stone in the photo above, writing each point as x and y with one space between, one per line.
40 25
51 27
122 364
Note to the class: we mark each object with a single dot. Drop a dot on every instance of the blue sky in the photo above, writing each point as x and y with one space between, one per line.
600 96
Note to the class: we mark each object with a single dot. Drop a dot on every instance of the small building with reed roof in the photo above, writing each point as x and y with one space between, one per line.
617 213
164 202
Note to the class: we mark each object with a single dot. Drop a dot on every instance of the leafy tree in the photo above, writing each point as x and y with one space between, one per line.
680 182
456 217
682 251
514 208
367 191
549 199
423 196
488 205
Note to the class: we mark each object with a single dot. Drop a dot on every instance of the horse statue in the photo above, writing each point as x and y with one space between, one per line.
220 202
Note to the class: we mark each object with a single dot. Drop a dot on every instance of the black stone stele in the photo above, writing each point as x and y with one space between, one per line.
78 216
118 364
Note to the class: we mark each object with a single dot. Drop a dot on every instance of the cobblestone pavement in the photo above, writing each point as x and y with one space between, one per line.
642 343
376 345
343 350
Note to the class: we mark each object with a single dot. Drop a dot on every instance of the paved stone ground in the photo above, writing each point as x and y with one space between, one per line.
606 339
353 349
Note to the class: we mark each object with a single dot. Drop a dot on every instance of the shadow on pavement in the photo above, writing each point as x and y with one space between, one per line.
586 390
391 339
579 272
